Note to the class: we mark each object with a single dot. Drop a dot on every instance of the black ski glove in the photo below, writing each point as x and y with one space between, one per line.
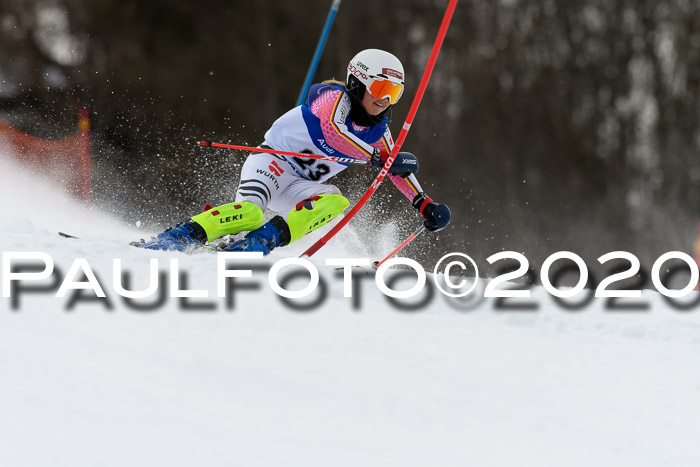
436 215
404 165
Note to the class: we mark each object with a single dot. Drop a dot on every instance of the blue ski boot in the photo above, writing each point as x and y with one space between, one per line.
179 237
264 239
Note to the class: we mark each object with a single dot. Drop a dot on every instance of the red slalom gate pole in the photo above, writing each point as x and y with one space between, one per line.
400 247
402 135
342 160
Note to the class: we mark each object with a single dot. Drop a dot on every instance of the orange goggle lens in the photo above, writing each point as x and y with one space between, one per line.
382 88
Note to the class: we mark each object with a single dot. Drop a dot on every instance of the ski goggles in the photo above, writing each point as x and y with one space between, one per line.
383 88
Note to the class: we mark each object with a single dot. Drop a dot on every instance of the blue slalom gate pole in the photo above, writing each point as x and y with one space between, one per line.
318 52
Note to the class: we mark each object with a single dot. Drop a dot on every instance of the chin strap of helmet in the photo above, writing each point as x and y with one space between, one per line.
355 88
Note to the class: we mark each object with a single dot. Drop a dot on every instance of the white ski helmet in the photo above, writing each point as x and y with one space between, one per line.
380 72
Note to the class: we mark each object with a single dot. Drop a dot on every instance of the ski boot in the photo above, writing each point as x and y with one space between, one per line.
179 237
264 239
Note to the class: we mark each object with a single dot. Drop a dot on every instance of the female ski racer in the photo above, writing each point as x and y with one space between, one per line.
340 119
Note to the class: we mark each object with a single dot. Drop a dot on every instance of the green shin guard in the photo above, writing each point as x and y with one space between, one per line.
313 213
229 219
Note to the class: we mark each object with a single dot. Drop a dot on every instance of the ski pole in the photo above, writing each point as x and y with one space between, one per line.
399 141
323 157
400 247
319 50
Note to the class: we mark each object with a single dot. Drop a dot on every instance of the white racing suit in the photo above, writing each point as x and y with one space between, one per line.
320 126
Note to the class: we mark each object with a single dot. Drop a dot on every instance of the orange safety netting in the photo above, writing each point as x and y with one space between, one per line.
65 161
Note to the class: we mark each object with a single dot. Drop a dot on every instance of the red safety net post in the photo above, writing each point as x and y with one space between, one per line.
85 183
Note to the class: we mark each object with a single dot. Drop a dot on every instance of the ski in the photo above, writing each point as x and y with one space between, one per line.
192 249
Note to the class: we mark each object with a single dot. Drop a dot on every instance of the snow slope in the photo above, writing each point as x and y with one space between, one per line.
262 384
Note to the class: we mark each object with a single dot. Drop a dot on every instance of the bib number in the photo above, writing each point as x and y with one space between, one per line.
312 168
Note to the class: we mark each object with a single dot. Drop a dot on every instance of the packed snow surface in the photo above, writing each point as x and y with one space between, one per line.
255 382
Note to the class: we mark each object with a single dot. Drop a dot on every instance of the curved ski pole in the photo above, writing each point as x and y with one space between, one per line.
410 238
399 141
323 157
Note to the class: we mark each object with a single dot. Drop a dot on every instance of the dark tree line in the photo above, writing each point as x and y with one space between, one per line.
547 125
